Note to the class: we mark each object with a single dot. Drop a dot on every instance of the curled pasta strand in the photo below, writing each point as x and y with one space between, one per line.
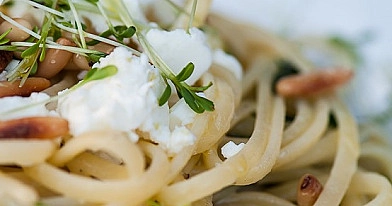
26 152
14 192
310 136
104 191
347 154
368 184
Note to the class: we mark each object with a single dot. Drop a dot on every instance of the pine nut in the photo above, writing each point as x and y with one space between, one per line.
32 84
55 60
16 34
34 128
314 83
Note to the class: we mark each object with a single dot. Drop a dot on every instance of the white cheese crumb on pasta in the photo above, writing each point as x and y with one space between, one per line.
128 102
177 48
230 149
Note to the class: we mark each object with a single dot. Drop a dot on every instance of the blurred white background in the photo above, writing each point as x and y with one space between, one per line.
351 19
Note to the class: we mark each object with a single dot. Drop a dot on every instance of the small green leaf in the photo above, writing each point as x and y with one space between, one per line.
93 1
186 72
121 32
201 88
190 99
105 34
43 53
97 74
94 57
2 37
34 68
128 32
207 104
30 51
4 41
165 96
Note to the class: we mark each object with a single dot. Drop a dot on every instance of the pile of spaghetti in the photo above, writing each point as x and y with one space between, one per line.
162 103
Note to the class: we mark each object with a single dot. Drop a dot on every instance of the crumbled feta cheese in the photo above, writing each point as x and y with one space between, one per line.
229 62
180 138
177 48
128 102
172 135
230 149
20 104
181 114
121 102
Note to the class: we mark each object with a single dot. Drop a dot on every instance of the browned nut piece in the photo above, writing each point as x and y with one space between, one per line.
103 47
309 189
81 62
5 59
16 33
34 128
55 60
32 84
314 83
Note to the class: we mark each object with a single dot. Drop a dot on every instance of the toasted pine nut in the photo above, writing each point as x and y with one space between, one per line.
309 189
55 60
309 84
103 47
32 84
16 34
80 61
34 128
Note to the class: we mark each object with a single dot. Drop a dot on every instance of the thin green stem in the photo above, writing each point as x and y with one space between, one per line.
78 23
192 16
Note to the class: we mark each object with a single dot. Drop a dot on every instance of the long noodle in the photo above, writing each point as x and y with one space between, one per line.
283 139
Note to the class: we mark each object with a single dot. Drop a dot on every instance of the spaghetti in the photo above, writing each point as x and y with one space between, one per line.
283 137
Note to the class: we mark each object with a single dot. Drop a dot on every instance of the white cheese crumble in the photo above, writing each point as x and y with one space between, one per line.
229 62
127 102
19 103
230 149
181 114
177 48
120 102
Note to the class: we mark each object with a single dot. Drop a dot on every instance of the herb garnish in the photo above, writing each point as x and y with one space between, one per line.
57 19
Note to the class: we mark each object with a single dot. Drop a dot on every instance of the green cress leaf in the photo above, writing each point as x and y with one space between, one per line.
34 68
106 33
186 72
30 51
92 1
97 74
94 57
121 32
165 96
191 99
201 88
207 104
43 53
4 40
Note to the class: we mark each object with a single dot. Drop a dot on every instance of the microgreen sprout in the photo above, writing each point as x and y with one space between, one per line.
97 74
3 39
29 63
120 32
196 102
63 15
192 16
